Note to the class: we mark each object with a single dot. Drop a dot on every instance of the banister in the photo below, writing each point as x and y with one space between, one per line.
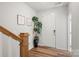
22 38
24 45
8 33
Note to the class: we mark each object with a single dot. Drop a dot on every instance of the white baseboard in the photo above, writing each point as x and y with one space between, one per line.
75 53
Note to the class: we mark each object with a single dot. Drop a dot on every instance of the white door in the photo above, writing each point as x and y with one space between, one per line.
47 31
57 21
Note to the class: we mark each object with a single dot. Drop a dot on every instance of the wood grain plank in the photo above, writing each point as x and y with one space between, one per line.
48 52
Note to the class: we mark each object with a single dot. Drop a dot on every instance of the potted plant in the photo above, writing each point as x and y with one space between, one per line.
37 30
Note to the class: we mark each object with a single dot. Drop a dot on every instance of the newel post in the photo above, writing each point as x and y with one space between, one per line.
24 45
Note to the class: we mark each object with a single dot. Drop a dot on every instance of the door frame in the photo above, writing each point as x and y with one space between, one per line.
69 32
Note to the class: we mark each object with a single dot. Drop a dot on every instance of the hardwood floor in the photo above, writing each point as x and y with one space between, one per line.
48 52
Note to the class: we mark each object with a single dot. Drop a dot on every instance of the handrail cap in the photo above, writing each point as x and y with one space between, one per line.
24 34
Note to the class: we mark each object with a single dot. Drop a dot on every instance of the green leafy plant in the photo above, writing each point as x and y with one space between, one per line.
37 25
37 30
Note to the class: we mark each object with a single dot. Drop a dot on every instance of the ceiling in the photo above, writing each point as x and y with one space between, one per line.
38 6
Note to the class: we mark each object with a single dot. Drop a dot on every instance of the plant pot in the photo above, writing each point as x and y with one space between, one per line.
35 42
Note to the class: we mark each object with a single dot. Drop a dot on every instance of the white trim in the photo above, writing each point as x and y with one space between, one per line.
69 33
75 53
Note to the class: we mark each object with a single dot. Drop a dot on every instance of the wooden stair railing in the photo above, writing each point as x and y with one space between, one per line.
22 38
8 33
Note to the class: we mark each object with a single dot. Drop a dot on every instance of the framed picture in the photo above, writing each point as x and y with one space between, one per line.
28 21
20 20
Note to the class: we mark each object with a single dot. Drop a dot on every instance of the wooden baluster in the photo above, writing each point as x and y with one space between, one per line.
24 45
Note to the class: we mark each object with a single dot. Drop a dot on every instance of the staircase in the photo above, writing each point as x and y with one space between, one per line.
22 38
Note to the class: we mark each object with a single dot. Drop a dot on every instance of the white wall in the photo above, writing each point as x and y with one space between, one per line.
8 19
0 45
61 16
61 28
74 11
